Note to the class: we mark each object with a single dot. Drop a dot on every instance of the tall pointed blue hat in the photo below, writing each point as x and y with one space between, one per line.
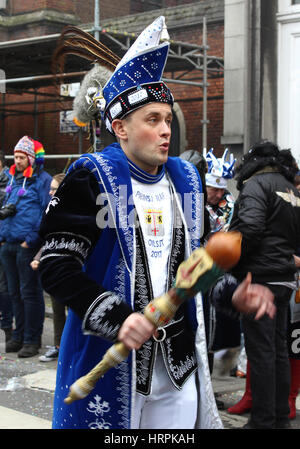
136 80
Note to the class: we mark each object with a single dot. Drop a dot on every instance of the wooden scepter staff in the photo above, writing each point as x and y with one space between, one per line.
198 273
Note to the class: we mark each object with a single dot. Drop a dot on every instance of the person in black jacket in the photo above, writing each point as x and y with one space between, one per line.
267 213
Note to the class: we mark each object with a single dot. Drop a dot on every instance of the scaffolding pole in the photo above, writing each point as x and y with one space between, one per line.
75 74
205 85
97 28
53 156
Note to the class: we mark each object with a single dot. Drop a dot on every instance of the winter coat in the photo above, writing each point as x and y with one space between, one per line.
24 225
267 213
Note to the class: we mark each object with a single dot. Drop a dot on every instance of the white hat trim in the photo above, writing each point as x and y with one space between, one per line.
215 181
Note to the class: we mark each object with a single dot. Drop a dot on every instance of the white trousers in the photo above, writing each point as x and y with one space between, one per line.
166 407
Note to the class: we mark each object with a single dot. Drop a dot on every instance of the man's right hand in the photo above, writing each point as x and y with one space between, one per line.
135 330
251 298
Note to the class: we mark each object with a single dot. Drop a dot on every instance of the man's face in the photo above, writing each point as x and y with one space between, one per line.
147 136
214 195
21 161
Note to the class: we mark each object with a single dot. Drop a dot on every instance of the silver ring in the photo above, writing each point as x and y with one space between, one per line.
163 336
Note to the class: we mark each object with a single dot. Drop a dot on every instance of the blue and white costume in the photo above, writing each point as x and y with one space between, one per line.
102 232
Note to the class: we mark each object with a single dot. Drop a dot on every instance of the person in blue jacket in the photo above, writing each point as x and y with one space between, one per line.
27 195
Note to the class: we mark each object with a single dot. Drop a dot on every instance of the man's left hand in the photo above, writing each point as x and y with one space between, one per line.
254 298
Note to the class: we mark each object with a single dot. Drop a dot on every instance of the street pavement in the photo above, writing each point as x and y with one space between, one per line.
230 390
27 389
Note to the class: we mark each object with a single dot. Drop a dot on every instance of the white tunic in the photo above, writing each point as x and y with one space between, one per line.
154 209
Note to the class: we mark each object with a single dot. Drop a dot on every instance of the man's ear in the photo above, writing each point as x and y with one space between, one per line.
119 129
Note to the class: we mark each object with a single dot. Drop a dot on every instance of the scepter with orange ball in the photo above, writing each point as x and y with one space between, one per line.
196 274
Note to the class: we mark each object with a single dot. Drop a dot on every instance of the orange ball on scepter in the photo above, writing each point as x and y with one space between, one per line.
225 248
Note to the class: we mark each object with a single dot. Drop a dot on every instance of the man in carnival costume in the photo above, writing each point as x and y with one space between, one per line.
27 195
112 245
220 202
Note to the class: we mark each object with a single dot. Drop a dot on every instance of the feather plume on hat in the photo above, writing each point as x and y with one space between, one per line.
75 41
89 100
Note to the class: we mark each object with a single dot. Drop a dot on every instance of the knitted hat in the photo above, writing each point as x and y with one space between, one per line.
219 170
136 80
35 152
32 148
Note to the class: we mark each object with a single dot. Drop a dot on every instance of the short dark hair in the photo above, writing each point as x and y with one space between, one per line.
59 177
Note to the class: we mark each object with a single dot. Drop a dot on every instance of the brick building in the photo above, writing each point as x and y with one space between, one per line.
29 30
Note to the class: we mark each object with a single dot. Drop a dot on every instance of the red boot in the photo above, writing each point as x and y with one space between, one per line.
245 404
295 385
